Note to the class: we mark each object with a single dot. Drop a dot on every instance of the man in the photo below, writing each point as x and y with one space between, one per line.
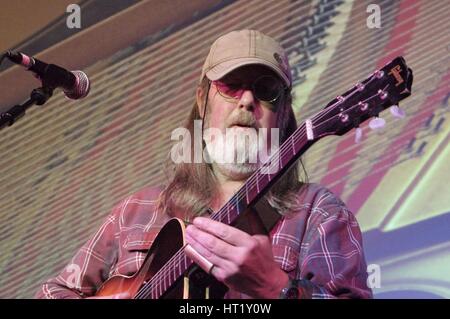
313 251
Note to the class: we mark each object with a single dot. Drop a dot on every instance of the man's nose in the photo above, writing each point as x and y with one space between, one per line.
247 100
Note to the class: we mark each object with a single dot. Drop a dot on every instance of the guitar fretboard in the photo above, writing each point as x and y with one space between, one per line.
253 189
363 101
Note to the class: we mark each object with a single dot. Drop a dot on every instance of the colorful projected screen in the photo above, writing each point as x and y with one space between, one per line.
63 167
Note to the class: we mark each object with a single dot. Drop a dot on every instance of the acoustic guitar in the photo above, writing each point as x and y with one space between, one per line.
168 273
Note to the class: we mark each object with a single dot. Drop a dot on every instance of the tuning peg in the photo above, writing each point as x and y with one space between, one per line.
377 123
358 135
379 74
397 112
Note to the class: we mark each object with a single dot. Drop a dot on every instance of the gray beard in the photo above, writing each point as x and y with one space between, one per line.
244 162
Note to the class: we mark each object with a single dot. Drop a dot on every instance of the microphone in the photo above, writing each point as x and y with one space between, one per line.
75 84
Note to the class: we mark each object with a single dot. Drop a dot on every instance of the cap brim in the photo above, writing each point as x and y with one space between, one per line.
222 69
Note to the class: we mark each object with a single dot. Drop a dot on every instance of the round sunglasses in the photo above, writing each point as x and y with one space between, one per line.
265 88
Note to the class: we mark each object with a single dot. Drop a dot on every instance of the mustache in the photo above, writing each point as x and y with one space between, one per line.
243 119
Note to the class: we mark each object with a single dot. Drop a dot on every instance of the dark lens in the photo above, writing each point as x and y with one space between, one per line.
228 89
267 88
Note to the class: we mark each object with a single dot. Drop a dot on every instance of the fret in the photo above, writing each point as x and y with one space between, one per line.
171 272
164 283
228 215
175 269
238 209
185 262
180 264
158 289
280 161
180 271
246 193
309 129
257 182
292 144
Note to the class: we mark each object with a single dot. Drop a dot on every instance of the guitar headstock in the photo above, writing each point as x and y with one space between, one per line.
382 89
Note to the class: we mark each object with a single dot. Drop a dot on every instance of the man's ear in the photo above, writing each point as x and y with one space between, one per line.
200 96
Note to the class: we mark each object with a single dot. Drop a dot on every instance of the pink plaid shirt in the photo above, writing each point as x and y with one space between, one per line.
320 244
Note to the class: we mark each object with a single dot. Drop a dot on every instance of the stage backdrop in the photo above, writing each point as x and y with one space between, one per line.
65 165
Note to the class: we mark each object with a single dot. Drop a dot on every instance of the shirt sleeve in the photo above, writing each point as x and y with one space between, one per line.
90 266
334 265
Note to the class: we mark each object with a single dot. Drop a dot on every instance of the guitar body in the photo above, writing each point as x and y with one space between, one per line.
170 239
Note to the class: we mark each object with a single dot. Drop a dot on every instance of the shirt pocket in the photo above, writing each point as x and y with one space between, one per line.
286 257
134 248
139 241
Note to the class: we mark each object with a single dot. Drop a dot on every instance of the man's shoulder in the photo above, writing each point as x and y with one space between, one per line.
319 199
138 207
318 194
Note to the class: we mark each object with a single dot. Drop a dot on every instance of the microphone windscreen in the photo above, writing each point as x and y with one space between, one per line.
81 87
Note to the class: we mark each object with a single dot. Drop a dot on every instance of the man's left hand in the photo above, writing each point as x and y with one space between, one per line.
243 262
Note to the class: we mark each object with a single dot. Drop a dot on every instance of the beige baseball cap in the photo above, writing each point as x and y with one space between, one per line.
243 47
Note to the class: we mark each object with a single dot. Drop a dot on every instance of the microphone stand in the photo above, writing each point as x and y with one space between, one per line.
38 96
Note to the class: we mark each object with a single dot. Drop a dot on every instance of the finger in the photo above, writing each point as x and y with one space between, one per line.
201 255
195 256
225 232
214 270
198 253
198 258
211 244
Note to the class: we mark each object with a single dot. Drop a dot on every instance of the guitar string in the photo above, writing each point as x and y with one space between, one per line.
220 214
160 277
156 281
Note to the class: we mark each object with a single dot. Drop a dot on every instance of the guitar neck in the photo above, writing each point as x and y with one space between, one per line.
382 89
254 188
259 183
